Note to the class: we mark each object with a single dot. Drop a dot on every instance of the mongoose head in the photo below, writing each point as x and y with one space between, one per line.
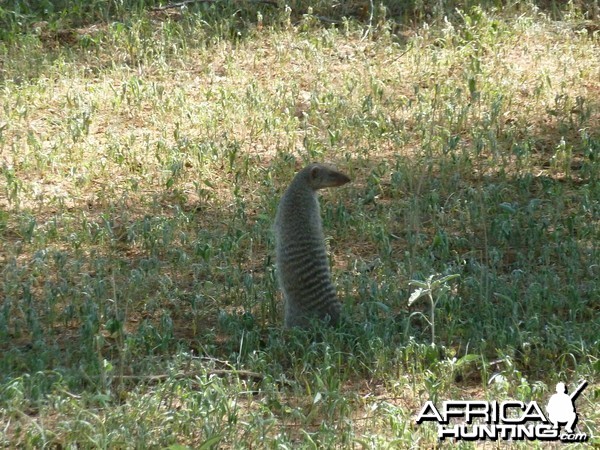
320 176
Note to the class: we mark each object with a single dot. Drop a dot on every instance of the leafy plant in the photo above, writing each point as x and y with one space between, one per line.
427 289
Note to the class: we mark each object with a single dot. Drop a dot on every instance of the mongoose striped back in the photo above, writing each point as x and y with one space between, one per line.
302 265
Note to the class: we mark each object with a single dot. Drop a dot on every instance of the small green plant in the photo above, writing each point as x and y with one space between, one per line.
434 285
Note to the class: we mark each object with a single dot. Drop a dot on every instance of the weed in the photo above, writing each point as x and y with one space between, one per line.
427 289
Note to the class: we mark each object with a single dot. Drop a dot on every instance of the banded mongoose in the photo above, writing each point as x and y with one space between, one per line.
301 259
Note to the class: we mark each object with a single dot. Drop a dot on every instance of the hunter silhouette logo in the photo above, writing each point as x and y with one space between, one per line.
508 420
561 406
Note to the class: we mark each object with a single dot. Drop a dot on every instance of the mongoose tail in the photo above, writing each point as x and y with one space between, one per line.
302 264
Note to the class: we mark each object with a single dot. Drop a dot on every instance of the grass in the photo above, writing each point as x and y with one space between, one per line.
142 160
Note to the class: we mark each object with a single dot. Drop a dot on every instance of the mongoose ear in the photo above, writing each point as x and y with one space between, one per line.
314 173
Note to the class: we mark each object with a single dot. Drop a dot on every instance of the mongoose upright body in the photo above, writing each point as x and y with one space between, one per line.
301 258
